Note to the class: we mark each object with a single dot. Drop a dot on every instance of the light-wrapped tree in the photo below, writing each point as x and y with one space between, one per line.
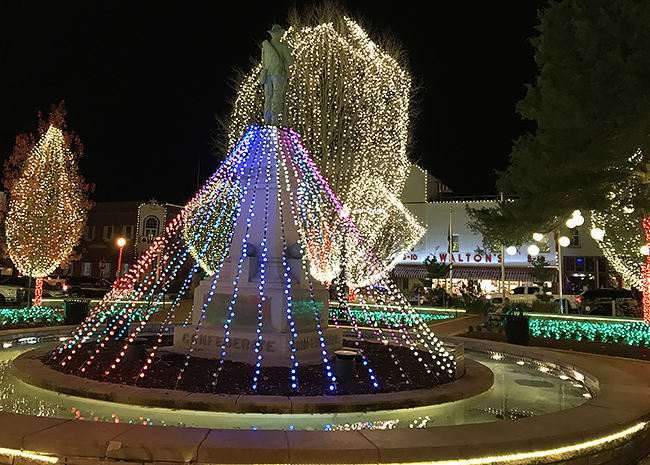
48 199
349 98
590 150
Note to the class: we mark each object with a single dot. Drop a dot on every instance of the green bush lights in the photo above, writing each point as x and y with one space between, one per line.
635 333
29 315
386 317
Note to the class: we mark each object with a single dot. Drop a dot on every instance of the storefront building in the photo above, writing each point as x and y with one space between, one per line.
449 240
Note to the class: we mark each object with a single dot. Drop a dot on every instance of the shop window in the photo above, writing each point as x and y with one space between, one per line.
569 264
590 264
580 264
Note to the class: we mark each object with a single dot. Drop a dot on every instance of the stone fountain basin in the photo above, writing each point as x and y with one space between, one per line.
623 401
29 369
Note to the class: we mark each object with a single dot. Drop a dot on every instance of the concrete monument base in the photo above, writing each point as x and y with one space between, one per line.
274 347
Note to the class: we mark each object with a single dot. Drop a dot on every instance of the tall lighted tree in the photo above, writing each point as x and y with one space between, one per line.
349 97
591 146
48 199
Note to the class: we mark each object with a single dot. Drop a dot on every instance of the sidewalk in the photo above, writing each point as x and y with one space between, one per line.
455 326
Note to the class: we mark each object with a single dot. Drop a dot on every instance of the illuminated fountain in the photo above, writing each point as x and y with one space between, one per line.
272 238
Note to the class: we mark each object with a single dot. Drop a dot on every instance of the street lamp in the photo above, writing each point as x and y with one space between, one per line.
562 242
121 242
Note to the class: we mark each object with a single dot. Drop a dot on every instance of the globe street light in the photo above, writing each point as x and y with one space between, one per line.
121 242
597 234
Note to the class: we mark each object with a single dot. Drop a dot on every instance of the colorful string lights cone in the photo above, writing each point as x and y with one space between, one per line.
276 245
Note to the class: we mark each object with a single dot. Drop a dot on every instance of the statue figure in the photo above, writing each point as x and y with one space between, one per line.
276 60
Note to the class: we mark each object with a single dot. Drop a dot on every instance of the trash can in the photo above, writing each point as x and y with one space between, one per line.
76 310
345 365
136 350
517 329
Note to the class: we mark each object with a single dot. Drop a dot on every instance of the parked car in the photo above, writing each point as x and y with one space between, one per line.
518 294
87 286
599 301
9 294
528 294
25 286
58 281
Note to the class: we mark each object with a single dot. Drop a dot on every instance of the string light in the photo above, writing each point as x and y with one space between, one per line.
47 209
359 143
219 224
618 228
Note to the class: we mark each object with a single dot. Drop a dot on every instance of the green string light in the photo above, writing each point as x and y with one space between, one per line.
634 333
44 315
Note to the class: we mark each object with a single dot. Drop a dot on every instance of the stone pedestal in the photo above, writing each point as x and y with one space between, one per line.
274 347
285 285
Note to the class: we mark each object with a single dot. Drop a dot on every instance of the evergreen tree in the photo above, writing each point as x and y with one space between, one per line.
591 146
590 104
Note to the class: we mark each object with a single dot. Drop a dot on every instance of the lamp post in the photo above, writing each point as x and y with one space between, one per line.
562 242
510 251
121 242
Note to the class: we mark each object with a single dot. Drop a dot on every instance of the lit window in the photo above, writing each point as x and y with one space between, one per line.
150 228
87 269
106 272
543 245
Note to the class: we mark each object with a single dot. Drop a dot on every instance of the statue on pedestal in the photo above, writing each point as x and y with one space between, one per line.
276 60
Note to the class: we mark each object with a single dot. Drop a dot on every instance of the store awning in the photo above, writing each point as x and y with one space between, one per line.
470 272
409 271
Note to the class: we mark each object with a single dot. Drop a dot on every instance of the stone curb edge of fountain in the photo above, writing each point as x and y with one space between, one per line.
624 401
29 369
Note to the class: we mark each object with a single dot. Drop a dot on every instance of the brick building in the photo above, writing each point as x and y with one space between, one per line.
137 222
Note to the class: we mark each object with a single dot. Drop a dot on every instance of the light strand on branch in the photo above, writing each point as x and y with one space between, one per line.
349 99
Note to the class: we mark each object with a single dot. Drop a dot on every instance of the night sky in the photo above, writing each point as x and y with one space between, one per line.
142 81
